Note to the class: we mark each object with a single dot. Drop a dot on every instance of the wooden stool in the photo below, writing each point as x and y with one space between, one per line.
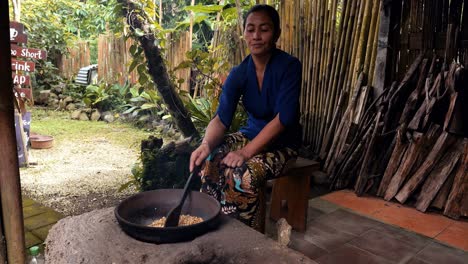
290 195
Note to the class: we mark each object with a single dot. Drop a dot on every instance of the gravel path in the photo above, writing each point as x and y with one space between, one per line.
77 177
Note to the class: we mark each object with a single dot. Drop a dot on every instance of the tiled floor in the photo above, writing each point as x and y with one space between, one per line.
434 225
339 232
37 222
341 228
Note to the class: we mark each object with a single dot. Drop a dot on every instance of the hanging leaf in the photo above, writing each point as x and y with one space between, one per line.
204 8
139 32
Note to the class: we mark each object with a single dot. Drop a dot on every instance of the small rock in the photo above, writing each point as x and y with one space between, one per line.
109 117
95 115
54 103
71 107
284 232
68 99
43 97
62 104
83 117
53 95
76 114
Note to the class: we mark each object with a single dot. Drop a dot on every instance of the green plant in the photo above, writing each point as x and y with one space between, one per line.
103 96
47 75
202 112
146 105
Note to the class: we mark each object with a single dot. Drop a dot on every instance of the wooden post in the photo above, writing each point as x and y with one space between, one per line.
381 77
191 27
10 191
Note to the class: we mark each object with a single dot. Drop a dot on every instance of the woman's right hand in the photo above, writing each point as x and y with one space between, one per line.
199 155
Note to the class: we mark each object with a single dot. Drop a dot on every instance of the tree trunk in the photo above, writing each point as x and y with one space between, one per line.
158 70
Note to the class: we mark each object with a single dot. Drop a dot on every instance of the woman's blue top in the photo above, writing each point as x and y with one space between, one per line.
280 94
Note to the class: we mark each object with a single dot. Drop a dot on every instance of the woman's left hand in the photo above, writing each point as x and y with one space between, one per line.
234 159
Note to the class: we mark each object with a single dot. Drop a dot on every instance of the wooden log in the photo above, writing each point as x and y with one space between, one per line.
459 193
393 164
10 190
396 98
341 131
438 176
361 104
417 123
405 167
384 51
416 96
455 121
444 141
326 141
441 198
351 159
363 176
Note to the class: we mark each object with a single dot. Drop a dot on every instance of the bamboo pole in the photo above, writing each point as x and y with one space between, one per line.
312 99
317 39
191 26
240 24
374 48
10 190
339 75
160 13
350 81
338 51
371 36
363 37
305 110
330 49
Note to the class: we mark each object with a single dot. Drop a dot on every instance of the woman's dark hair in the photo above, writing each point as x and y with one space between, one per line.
271 12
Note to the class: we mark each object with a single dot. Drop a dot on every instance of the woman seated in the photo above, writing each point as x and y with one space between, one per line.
235 167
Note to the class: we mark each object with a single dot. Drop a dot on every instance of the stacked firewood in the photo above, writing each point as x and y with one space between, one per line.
410 143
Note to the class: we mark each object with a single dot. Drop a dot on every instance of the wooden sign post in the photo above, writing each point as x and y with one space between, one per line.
22 66
10 191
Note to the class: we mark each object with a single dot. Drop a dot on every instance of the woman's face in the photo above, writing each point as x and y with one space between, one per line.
259 33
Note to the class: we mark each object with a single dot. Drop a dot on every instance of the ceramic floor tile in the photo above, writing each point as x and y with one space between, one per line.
455 235
388 247
313 213
413 239
325 237
33 210
416 261
31 240
435 253
27 201
349 222
298 243
42 232
348 199
44 219
323 205
428 224
351 255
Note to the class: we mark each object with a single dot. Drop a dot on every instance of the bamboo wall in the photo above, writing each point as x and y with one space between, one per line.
79 56
177 47
424 25
335 40
114 59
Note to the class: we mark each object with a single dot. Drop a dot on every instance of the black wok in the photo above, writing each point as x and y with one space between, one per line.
135 213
